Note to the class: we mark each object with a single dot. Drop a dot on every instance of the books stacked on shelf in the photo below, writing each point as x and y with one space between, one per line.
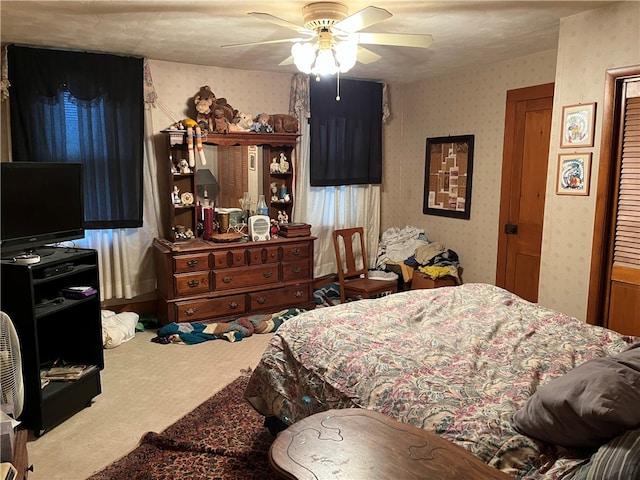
63 372
295 230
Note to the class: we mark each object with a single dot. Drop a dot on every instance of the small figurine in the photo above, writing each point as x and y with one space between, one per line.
275 166
282 217
284 165
176 196
275 228
184 166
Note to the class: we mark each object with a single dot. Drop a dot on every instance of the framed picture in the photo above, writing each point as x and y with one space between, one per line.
447 176
574 172
578 122
253 154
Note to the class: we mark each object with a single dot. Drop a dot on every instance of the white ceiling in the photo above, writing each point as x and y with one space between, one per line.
466 34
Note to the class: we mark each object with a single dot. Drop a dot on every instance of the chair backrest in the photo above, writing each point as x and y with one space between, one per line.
351 253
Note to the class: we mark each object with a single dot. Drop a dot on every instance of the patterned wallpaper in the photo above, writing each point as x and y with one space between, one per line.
473 102
247 91
609 38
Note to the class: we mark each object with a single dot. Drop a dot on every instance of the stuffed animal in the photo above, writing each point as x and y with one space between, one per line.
261 124
184 166
283 123
221 124
204 100
229 111
241 122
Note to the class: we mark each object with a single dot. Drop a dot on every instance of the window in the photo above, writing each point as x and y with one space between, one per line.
83 107
346 135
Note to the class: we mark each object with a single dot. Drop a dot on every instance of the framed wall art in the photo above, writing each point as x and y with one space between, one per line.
578 122
574 171
447 176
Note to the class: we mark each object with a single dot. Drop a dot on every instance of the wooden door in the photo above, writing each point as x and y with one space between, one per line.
522 195
614 289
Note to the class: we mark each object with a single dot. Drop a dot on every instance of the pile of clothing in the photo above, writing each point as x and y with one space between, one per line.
408 249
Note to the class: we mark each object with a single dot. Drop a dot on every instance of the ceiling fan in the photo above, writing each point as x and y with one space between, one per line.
332 40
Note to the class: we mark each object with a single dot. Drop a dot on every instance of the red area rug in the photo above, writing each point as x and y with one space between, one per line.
222 439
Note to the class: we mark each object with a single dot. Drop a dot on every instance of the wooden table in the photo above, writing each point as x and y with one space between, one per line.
354 444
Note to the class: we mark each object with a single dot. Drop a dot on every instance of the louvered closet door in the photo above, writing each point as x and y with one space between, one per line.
624 281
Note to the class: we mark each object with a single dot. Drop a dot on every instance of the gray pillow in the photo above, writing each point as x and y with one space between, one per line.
587 406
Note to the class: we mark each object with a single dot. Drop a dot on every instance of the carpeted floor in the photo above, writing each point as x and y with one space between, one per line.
222 439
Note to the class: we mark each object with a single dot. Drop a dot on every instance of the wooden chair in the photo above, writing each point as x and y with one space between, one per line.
353 272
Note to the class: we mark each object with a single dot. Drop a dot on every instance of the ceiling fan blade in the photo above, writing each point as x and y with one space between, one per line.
367 56
395 39
267 17
362 19
287 61
265 42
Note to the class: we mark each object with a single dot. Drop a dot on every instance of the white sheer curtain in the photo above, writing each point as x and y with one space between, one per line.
125 256
329 208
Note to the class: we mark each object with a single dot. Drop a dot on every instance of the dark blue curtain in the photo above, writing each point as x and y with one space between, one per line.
346 135
83 107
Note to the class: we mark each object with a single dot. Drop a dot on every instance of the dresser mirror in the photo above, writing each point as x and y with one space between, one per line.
229 173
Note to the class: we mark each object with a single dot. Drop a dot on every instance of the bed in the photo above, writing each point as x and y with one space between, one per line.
465 362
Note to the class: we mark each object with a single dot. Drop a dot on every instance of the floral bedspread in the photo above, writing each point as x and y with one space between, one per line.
459 361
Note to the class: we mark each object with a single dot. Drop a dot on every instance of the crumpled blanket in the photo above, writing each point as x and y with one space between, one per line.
196 332
396 245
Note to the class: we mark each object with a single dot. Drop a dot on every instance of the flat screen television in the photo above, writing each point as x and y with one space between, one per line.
41 204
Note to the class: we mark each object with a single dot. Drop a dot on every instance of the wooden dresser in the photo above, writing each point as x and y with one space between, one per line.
201 280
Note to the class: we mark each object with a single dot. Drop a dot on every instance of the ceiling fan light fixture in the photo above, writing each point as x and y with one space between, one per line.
304 56
346 53
323 58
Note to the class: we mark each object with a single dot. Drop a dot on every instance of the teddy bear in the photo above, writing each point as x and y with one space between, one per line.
221 124
204 100
241 122
229 111
283 123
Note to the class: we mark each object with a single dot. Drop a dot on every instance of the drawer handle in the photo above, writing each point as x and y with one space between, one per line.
227 279
296 252
298 294
268 274
192 263
261 300
190 311
193 283
234 305
296 269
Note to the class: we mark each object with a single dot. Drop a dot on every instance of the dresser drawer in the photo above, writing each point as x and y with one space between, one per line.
296 271
260 255
229 258
191 283
206 308
190 263
295 251
245 277
281 297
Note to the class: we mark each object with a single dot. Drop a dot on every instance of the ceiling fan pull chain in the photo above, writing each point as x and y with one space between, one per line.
338 86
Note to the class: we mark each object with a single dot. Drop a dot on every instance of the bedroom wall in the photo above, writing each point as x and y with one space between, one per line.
471 102
248 91
590 43
474 102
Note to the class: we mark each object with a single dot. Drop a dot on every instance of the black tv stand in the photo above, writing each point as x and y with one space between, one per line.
51 328
41 252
